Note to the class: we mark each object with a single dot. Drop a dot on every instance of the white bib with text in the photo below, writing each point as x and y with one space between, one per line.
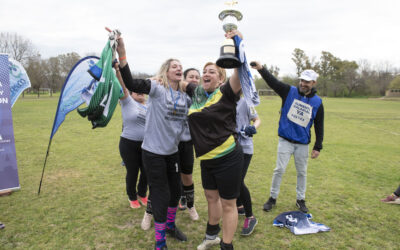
300 113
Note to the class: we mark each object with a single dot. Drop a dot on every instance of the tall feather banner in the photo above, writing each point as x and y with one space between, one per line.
19 80
78 84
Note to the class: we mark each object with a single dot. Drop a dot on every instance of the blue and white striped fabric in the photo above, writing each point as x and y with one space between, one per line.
246 79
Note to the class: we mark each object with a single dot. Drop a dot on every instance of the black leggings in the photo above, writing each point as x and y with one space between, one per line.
244 197
131 153
163 176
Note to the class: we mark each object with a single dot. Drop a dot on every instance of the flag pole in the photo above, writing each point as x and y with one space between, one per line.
44 165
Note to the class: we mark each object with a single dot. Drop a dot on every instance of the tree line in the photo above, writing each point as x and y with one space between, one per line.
337 77
341 78
43 72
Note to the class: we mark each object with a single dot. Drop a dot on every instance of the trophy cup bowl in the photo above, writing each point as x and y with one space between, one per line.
228 59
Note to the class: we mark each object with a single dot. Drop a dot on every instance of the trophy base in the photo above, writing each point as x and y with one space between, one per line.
228 62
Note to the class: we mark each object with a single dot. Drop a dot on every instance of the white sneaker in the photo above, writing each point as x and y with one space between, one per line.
146 222
193 213
206 244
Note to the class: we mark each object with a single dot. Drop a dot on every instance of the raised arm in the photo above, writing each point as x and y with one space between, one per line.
234 80
135 85
282 89
121 81
121 52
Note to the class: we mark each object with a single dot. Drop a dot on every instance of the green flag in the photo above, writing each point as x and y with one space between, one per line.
106 96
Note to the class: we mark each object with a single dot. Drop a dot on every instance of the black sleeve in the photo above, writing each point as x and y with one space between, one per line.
190 89
134 85
282 89
319 128
227 90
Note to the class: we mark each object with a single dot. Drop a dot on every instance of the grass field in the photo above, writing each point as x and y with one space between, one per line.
83 204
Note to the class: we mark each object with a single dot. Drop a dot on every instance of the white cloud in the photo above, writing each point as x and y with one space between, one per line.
191 31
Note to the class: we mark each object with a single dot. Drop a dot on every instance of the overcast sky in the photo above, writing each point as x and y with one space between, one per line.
191 31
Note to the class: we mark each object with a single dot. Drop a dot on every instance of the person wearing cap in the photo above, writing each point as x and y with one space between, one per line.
301 108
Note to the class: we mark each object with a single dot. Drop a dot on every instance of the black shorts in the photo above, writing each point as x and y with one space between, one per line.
224 174
186 158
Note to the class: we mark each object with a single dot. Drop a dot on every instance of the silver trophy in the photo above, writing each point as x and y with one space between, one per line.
229 18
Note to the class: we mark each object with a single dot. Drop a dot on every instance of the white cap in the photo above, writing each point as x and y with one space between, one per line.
309 75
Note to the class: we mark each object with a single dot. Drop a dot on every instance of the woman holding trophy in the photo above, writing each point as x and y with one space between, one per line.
212 123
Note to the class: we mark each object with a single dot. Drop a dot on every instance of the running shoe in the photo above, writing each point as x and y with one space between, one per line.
177 234
143 200
146 221
392 199
208 243
193 213
134 204
182 203
269 204
301 204
249 225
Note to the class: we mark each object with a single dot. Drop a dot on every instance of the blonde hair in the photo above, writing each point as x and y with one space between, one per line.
162 73
221 71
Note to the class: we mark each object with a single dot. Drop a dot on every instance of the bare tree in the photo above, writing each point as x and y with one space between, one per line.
273 69
54 74
140 75
301 60
350 77
384 76
395 83
37 73
68 61
17 47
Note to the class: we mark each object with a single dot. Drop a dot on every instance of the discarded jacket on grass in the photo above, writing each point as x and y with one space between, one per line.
299 223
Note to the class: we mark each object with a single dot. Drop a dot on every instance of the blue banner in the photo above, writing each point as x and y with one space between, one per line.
246 79
19 80
78 87
8 159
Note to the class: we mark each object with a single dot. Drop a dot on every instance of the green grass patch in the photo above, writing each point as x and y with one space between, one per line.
83 204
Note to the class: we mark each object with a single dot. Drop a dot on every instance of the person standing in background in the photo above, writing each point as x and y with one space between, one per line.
301 109
186 157
244 116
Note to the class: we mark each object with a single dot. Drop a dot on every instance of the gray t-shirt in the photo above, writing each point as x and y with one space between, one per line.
166 115
186 132
244 115
133 118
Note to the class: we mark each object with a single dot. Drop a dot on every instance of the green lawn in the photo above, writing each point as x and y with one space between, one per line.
83 204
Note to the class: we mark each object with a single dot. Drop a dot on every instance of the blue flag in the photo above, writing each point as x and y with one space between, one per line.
78 86
19 80
246 79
